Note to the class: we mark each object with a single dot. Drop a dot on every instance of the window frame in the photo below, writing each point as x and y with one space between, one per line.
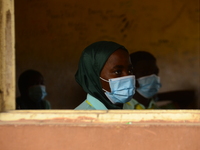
7 92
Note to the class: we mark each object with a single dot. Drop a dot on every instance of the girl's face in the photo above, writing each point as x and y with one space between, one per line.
117 65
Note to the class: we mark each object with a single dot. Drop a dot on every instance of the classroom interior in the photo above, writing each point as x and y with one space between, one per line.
50 36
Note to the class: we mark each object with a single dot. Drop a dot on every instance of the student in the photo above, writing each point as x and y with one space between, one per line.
32 90
105 73
148 83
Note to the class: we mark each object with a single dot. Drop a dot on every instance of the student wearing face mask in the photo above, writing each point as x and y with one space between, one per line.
105 73
148 83
32 91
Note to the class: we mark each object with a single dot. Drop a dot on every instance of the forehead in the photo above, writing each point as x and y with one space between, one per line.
118 60
119 56
35 78
145 64
145 67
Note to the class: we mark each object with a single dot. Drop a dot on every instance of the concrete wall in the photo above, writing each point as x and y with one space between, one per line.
98 137
109 130
50 36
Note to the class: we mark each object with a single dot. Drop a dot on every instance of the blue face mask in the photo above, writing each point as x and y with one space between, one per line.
122 89
148 85
37 93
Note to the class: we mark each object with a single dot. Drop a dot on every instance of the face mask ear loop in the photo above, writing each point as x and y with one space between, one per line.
103 79
104 90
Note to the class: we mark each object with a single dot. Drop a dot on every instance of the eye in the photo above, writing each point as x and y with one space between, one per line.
130 71
118 72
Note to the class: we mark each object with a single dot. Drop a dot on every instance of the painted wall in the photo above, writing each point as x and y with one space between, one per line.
98 137
50 36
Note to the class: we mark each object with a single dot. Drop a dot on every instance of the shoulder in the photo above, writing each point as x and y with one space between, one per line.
46 104
19 103
91 103
131 104
85 106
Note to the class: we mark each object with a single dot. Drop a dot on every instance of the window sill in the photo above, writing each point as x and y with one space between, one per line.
75 117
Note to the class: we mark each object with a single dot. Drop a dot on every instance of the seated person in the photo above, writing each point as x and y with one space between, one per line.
32 90
147 81
105 73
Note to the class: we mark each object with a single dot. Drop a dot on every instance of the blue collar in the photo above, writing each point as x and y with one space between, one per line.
95 103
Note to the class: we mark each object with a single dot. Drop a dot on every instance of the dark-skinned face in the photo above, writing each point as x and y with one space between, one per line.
34 80
145 68
117 65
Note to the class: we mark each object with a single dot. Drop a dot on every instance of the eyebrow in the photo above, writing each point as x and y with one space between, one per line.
120 66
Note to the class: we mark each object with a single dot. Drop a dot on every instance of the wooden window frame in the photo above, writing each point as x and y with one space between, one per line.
7 92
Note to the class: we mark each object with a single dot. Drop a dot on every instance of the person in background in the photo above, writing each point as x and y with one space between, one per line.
148 83
32 91
105 73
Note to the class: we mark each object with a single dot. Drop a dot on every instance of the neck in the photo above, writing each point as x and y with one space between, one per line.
142 100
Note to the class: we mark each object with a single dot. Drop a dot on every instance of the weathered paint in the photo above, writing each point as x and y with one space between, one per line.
67 129
83 136
109 137
7 56
102 116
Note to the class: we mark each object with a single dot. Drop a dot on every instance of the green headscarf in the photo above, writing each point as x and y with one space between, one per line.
91 63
